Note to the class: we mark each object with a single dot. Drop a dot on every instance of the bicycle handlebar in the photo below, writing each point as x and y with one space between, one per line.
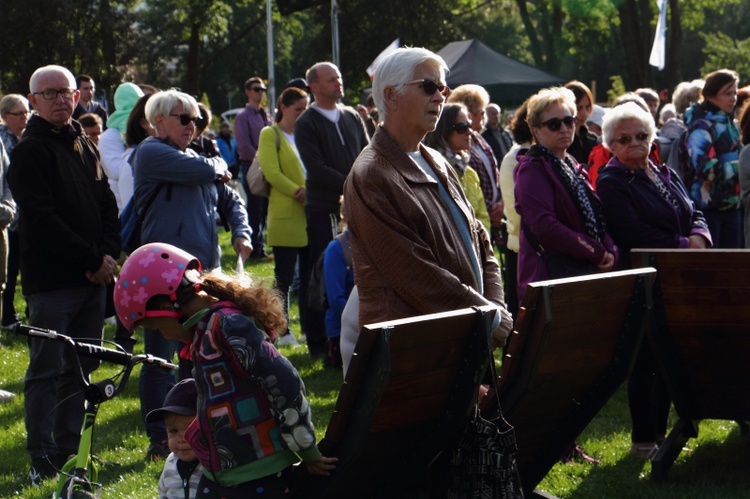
93 351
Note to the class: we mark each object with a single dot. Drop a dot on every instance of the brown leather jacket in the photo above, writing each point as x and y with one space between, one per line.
408 255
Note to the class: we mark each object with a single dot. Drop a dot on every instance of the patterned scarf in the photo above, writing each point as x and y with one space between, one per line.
588 204
661 188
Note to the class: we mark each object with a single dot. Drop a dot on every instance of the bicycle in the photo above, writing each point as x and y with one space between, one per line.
78 476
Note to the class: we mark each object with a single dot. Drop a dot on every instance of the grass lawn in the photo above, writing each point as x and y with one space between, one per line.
712 466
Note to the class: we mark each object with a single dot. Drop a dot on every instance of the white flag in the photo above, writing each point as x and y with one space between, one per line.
390 48
658 50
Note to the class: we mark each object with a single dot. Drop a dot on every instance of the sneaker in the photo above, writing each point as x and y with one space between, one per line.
644 450
41 469
157 451
6 396
287 338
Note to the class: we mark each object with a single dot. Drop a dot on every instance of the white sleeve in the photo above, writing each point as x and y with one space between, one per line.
111 148
125 184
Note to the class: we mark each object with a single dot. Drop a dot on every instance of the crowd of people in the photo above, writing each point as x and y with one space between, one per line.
406 202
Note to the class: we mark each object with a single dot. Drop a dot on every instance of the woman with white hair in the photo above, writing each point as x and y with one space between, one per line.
179 194
646 206
417 245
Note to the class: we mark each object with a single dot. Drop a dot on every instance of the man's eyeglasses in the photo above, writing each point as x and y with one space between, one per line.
462 127
430 87
258 89
627 139
52 94
20 113
554 124
186 119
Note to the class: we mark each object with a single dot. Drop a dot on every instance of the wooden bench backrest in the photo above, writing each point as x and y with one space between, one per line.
410 385
573 345
701 332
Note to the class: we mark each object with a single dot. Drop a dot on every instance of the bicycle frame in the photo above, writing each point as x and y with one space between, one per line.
78 476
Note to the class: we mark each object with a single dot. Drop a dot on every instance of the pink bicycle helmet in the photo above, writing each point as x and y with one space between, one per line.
153 269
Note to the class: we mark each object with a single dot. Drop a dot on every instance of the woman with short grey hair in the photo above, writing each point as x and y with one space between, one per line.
627 111
646 206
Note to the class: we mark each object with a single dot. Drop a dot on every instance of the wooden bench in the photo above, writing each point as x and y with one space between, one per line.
701 338
410 387
572 347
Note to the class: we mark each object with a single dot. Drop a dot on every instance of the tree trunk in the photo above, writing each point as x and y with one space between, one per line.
109 77
674 45
536 46
193 83
635 42
553 61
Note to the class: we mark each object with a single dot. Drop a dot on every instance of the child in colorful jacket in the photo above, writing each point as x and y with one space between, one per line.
253 420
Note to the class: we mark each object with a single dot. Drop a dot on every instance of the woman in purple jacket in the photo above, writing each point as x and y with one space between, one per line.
647 206
563 231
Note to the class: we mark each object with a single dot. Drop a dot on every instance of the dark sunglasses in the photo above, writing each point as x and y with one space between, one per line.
627 139
259 89
462 127
186 119
430 87
554 124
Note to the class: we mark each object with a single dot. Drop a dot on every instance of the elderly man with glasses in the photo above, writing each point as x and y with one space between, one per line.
69 236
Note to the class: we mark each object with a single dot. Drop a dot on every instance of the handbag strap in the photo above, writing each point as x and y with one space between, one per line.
275 129
278 138
531 239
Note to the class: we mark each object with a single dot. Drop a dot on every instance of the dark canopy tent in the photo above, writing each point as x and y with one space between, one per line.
506 79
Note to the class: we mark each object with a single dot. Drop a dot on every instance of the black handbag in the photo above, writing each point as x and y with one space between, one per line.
559 264
483 460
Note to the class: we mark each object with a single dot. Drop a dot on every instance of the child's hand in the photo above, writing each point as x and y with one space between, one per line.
321 466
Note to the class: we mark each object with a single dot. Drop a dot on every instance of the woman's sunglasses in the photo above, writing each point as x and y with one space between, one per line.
430 87
462 127
627 139
186 119
554 124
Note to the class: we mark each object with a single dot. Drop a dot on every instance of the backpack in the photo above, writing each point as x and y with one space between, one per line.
679 161
316 286
131 219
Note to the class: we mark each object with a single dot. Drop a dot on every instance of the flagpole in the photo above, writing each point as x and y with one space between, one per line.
269 47
335 32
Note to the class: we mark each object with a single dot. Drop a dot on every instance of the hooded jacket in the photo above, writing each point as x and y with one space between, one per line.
713 149
69 213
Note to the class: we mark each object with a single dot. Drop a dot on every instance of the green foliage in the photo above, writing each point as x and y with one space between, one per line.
693 14
722 51
591 9
617 88
212 46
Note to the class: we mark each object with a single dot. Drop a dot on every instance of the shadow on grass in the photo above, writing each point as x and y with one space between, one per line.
713 470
